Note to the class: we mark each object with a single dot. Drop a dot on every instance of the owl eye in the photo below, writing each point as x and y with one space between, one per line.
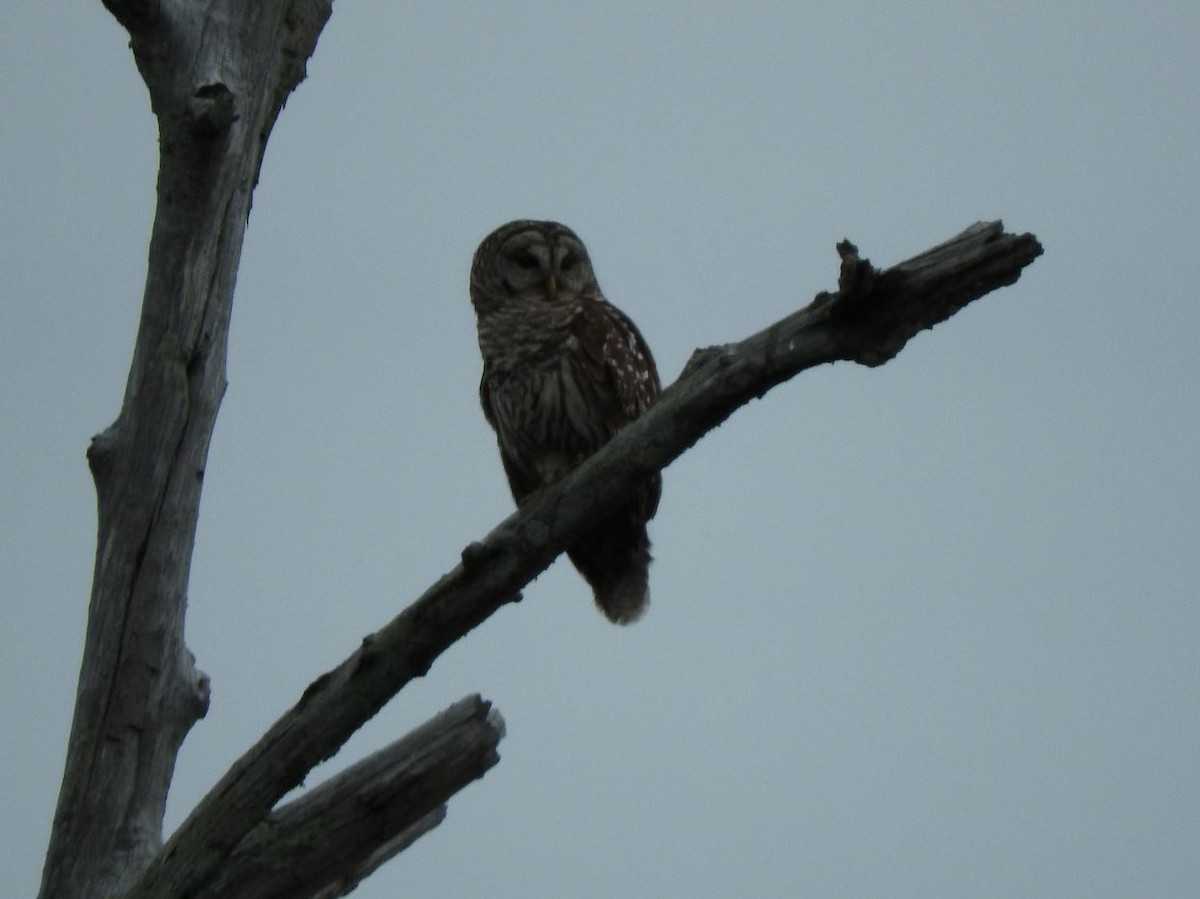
569 261
525 259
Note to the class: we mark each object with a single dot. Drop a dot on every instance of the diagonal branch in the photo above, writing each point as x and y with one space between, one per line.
869 319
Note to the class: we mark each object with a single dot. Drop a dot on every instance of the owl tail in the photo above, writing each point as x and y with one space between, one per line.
615 561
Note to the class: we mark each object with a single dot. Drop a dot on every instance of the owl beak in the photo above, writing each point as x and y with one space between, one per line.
551 287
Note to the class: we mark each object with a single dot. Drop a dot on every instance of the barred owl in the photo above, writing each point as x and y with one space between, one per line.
564 370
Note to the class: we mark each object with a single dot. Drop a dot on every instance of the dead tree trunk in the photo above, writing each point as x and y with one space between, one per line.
218 74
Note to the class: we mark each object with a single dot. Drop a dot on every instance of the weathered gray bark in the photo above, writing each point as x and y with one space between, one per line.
218 74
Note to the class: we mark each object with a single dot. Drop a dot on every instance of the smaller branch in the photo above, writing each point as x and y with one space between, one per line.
324 843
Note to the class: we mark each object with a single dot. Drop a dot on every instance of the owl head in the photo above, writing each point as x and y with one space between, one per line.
527 261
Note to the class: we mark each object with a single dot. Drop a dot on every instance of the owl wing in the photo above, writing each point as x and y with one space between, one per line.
622 373
618 363
520 481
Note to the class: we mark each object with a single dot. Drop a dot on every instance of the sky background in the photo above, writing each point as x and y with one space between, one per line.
928 630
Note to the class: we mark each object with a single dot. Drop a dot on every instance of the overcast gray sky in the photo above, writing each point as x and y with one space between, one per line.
928 630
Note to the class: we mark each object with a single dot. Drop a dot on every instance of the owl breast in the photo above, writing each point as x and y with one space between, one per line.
545 414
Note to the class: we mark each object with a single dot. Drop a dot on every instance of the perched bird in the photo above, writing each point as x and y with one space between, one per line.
564 370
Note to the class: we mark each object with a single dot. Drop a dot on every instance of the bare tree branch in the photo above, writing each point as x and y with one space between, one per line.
328 840
869 319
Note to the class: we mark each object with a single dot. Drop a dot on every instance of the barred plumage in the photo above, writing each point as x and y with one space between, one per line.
564 370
